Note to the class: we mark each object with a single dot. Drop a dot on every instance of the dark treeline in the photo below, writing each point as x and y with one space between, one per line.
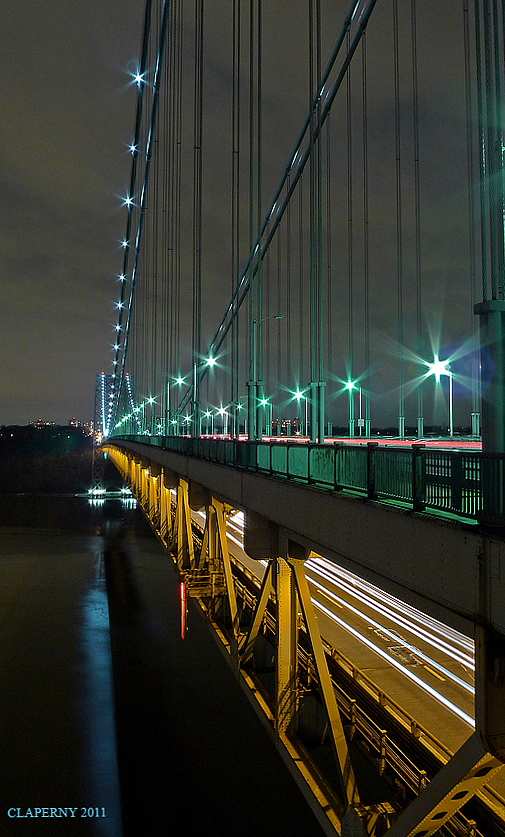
44 460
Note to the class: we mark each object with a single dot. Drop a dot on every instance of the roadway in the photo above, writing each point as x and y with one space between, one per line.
444 443
423 665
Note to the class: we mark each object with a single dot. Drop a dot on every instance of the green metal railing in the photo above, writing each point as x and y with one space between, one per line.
468 484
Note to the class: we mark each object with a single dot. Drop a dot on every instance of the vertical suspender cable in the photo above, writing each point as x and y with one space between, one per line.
498 154
482 152
289 362
259 279
417 210
316 360
329 264
350 276
366 242
471 218
278 330
301 273
399 254
197 211
320 347
235 210
312 255
252 385
490 147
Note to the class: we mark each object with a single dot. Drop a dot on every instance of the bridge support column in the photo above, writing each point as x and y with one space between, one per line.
492 357
220 523
144 486
215 553
490 690
490 652
349 787
168 482
316 411
287 643
183 530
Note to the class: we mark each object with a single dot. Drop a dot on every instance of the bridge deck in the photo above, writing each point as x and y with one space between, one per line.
433 562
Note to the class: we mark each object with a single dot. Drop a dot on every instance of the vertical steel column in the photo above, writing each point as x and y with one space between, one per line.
185 548
287 642
350 790
219 514
144 486
492 341
490 655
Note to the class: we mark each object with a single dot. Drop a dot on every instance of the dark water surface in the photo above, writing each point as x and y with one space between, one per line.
104 707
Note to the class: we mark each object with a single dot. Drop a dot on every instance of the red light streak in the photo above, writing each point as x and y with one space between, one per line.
182 590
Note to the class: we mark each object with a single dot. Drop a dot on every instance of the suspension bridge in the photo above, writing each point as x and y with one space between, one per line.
312 281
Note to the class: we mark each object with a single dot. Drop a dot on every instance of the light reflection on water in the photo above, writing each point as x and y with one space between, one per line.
56 543
98 703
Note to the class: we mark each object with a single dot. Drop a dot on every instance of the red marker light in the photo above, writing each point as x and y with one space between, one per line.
182 589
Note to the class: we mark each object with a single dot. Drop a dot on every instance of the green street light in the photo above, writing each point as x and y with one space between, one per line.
350 386
298 396
437 368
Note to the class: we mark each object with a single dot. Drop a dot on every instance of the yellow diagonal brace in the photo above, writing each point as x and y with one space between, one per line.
258 615
457 781
230 586
205 544
334 720
185 547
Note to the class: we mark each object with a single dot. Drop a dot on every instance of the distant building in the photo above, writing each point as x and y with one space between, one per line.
40 423
87 426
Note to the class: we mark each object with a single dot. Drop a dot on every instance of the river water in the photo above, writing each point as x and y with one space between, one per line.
110 723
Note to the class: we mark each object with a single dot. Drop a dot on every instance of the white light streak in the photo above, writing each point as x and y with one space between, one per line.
417 680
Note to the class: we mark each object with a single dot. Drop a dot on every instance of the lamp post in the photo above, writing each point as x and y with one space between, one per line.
224 415
442 367
209 415
175 421
299 395
266 403
209 363
350 386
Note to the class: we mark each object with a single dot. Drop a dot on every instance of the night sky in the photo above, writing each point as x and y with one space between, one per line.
67 118
67 112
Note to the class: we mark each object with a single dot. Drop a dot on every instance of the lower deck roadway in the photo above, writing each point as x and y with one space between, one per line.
192 752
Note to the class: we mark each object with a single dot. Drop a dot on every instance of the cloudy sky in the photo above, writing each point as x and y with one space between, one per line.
68 107
67 112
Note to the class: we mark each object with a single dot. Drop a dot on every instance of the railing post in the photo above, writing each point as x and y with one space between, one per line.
370 470
456 480
337 447
417 478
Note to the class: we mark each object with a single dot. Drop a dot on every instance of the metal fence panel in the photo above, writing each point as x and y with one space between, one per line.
393 473
298 461
322 464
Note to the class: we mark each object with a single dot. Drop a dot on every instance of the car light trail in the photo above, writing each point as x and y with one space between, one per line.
442 638
394 636
378 606
453 636
417 680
